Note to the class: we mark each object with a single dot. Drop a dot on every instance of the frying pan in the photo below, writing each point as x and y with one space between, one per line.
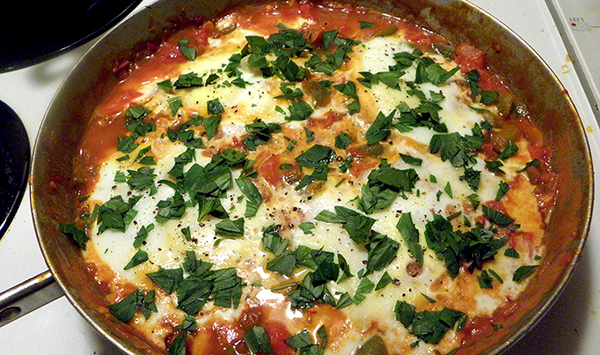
553 113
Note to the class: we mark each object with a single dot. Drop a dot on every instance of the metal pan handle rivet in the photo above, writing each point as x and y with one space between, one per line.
27 297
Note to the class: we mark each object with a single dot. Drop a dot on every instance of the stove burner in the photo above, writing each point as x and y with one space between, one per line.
34 32
15 155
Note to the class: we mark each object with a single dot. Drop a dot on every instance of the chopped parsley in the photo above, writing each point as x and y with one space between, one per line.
383 186
508 151
523 272
380 129
455 148
253 196
357 225
365 24
75 234
116 214
186 50
534 162
202 284
137 113
126 309
317 158
257 340
410 234
455 247
343 140
303 344
496 216
139 257
230 228
427 325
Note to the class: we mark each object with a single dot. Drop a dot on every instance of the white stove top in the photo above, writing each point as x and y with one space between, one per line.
571 327
578 23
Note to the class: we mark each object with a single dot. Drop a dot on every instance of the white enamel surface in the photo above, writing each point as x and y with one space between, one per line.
571 327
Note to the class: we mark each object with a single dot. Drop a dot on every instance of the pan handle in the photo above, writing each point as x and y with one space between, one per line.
28 296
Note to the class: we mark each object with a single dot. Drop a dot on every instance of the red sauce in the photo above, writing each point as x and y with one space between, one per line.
470 58
270 171
228 338
328 16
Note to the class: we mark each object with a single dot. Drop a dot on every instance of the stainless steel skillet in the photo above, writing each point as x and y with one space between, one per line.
458 21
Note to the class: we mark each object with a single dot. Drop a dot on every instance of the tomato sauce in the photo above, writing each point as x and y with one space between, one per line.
228 338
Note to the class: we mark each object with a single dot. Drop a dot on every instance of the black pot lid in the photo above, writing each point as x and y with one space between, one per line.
15 154
32 32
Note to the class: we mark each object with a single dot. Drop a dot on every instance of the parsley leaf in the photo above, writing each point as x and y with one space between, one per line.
365 24
141 179
426 325
125 309
382 251
472 177
503 188
177 346
508 151
485 280
411 160
348 88
534 162
273 241
410 234
496 216
171 208
78 236
230 228
453 147
357 225
116 213
523 272
511 253
167 279
307 227
127 144
137 113
211 124
343 140
175 104
188 80
315 156
319 174
383 185
253 196
380 128
455 247
259 133
429 71
188 52
299 111
284 263
257 340
139 257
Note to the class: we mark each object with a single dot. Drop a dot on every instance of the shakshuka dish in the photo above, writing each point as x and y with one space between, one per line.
310 178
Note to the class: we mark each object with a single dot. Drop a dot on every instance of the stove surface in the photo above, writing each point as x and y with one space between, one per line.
578 22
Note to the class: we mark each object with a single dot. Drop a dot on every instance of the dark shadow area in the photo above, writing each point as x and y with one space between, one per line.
559 331
32 34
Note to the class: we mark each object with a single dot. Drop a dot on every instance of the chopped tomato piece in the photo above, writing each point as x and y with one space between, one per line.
118 102
469 57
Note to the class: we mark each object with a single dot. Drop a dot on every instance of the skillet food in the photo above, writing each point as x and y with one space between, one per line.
302 178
